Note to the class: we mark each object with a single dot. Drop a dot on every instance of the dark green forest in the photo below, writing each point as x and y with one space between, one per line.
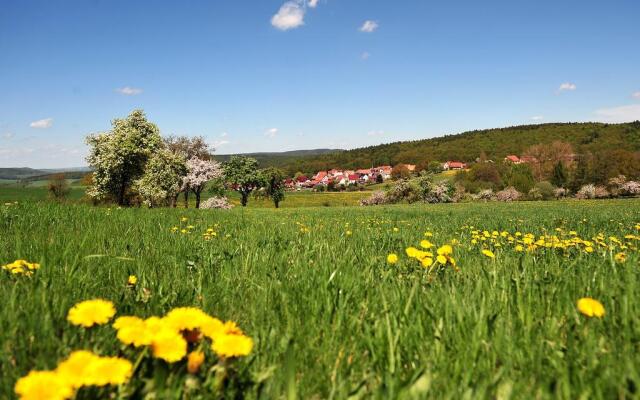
594 138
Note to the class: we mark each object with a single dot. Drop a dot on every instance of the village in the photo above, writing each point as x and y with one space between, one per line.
337 178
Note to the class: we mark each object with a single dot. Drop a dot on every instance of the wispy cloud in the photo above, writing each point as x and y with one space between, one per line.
219 143
537 118
619 114
636 95
42 123
289 16
7 135
567 86
313 3
129 91
365 55
224 134
369 26
271 132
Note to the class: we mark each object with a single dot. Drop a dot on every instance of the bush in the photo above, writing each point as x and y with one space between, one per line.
602 192
535 194
560 193
377 198
508 194
546 190
485 195
439 193
586 192
630 188
58 187
217 203
402 191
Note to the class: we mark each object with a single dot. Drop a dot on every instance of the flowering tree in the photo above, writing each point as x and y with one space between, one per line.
119 156
199 173
162 178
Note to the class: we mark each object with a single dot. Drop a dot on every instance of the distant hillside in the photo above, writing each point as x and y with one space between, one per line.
268 159
30 174
467 146
19 173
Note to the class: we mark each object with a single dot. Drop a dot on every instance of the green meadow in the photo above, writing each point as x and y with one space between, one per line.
329 316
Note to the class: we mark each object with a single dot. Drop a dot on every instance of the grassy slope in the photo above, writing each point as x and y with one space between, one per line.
351 323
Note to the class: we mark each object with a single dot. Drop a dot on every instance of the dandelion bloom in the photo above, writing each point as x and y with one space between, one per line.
590 307
75 369
425 244
412 252
392 258
109 371
488 253
40 385
227 346
194 361
132 280
620 257
427 261
445 250
91 312
169 345
134 331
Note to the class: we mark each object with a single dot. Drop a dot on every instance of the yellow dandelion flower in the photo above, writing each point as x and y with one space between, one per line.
133 331
488 253
169 345
412 252
590 307
519 248
425 244
620 257
348 233
392 258
194 361
588 249
91 312
39 385
109 371
427 261
396 229
227 346
132 280
441 259
445 250
75 369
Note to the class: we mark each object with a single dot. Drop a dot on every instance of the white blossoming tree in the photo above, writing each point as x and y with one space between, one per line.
119 156
199 172
162 178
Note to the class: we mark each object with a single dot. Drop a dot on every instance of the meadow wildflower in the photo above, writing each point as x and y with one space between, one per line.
425 244
620 257
91 312
133 331
132 280
392 258
227 346
590 307
168 345
21 267
488 253
40 385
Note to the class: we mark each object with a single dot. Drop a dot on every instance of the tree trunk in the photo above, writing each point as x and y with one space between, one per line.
186 199
123 189
174 200
277 203
197 193
244 199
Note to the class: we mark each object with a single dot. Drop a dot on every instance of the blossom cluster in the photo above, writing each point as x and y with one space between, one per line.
21 267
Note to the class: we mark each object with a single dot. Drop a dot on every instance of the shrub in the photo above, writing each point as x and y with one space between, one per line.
602 192
485 195
58 187
560 193
586 192
508 194
630 188
439 193
216 202
402 191
377 198
535 194
546 189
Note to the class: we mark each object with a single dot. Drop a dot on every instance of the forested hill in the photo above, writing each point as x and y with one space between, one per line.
467 146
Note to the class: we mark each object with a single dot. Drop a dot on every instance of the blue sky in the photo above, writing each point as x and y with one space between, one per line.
272 75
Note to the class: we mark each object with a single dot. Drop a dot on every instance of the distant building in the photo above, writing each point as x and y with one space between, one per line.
454 165
513 159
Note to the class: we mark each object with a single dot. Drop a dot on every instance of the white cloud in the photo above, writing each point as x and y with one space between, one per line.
537 118
313 3
42 123
224 134
271 132
219 143
619 114
365 55
129 91
7 135
567 86
289 16
369 26
375 133
636 95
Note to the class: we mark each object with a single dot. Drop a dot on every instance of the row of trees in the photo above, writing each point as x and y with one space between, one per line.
132 163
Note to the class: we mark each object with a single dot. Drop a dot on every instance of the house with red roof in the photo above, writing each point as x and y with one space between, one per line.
454 165
513 158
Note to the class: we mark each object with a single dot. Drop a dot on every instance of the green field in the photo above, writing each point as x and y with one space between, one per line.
330 318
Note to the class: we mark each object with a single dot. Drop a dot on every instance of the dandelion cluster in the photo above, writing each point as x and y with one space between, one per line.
21 267
81 369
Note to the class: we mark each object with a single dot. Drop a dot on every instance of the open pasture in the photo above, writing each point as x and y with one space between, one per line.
329 316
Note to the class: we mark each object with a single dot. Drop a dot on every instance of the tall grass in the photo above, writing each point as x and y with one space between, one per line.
330 318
